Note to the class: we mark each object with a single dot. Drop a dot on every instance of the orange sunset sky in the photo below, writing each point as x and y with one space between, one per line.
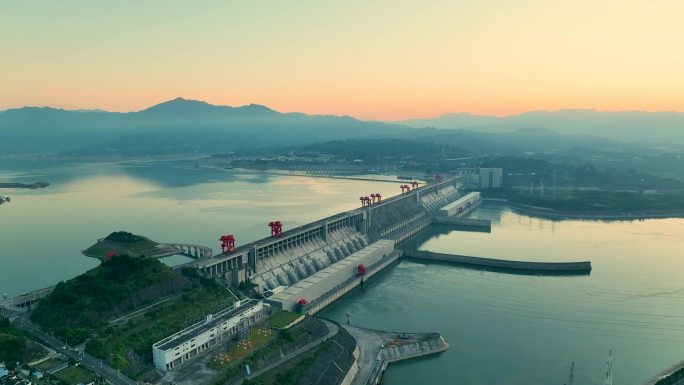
386 59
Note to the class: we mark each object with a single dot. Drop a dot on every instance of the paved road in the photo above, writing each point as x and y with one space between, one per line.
92 363
332 331
369 344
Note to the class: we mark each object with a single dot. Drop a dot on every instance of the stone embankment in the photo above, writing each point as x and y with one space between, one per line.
664 377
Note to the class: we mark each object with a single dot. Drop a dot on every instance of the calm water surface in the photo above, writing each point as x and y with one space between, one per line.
43 231
503 328
524 330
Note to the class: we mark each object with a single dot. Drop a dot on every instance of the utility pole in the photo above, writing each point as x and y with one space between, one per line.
608 380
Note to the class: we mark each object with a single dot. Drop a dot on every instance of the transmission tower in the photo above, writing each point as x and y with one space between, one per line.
571 376
608 380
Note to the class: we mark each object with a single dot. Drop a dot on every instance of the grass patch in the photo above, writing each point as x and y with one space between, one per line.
74 375
47 364
257 338
272 345
291 371
283 318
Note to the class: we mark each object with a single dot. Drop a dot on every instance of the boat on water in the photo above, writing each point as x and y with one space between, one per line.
4 199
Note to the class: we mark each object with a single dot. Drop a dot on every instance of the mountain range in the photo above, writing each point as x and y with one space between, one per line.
182 126
627 126
175 126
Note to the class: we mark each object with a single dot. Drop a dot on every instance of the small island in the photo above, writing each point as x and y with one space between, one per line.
32 186
125 243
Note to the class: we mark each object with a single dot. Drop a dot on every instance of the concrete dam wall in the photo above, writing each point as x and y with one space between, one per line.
274 263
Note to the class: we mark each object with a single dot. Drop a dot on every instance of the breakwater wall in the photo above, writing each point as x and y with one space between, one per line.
583 267
468 224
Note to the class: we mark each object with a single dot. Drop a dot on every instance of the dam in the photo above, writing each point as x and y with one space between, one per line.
313 259
307 268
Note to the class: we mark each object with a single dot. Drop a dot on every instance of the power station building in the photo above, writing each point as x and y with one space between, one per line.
481 178
325 281
176 349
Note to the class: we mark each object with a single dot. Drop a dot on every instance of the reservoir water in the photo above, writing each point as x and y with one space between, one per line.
503 328
42 232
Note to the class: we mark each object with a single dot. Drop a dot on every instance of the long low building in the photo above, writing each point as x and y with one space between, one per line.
459 206
176 349
326 280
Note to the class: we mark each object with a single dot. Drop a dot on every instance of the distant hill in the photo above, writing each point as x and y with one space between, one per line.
174 127
523 140
182 126
665 128
379 149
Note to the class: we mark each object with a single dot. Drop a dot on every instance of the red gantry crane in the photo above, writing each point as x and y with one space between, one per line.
276 228
227 243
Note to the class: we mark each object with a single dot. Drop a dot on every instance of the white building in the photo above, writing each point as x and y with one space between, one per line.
461 205
481 178
174 350
327 280
491 177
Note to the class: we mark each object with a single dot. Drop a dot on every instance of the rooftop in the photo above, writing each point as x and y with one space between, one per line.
202 326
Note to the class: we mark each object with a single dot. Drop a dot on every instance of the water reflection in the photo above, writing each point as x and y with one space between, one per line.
521 329
42 231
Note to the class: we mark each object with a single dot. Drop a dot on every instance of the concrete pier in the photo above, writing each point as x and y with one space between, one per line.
378 348
583 267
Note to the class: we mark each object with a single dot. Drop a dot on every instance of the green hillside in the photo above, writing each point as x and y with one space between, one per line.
116 287
125 243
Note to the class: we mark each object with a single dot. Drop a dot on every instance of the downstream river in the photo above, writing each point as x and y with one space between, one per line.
528 330
503 328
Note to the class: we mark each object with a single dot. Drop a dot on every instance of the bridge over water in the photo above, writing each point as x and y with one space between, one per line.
192 250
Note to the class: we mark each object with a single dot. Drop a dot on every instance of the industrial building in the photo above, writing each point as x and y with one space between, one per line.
481 178
175 350
491 178
461 205
325 281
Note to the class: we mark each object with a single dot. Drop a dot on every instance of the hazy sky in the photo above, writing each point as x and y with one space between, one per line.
388 59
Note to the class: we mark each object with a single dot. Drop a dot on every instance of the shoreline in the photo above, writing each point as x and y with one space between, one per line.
31 186
546 212
664 374
275 172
